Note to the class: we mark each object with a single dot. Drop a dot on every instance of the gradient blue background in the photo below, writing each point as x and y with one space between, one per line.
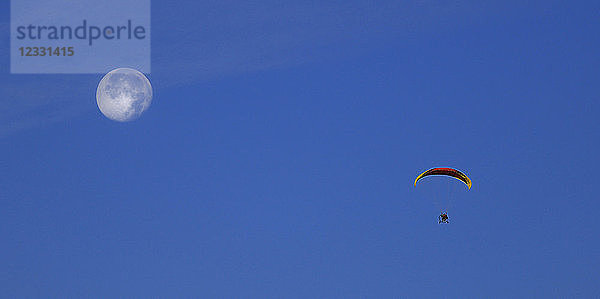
278 157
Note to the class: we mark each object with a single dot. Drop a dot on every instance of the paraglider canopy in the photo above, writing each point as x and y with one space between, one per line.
451 172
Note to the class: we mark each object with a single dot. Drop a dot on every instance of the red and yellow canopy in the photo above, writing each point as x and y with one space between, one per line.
451 172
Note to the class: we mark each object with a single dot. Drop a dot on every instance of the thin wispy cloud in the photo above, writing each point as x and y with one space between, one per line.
222 38
28 103
231 38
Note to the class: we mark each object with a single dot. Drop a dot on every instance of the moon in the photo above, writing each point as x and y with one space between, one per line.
124 94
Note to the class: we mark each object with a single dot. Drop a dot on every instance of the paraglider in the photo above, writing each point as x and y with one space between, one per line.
450 172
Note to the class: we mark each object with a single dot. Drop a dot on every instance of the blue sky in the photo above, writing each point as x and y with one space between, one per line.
278 156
